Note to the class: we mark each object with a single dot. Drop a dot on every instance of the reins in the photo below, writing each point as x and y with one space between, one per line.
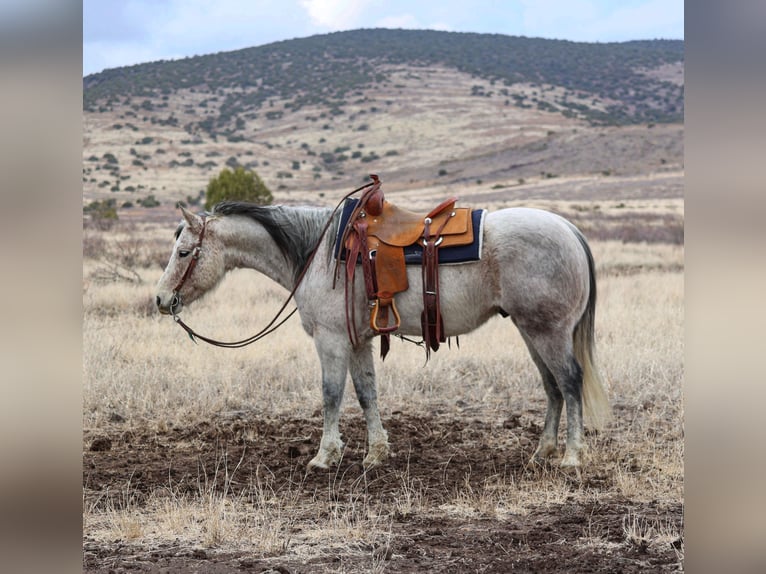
271 327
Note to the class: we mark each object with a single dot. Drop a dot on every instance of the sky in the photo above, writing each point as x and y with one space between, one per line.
126 32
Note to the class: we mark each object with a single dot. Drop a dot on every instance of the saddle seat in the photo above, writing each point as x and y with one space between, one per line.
376 234
400 227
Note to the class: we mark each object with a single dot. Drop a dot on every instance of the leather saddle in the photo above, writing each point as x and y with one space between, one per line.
375 236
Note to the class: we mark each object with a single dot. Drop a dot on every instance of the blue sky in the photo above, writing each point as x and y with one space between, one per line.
125 32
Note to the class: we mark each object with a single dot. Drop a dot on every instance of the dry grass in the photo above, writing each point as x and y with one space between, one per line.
141 367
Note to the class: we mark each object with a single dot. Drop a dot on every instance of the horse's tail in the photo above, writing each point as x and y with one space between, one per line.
596 407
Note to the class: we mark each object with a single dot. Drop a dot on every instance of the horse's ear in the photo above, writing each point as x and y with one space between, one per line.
194 220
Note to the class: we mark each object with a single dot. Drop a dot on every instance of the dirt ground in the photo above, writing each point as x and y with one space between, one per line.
441 452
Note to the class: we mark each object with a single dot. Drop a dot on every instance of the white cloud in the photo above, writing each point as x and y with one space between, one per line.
335 14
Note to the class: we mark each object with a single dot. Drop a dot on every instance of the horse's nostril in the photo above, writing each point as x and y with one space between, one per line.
158 301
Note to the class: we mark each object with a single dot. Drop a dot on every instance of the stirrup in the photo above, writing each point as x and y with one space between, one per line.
374 318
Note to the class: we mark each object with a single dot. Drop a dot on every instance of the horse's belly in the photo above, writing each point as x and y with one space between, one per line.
467 299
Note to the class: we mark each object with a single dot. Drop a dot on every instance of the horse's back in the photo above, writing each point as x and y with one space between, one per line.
532 263
518 235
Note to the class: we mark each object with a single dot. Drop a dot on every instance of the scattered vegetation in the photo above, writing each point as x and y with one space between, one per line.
102 213
149 201
327 70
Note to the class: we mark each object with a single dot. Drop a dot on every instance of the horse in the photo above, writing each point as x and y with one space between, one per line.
535 268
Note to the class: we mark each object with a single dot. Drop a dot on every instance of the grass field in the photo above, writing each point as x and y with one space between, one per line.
194 457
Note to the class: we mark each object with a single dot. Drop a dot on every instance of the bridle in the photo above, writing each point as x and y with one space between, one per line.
174 302
273 324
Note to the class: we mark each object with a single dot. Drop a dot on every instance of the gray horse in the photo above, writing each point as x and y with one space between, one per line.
536 268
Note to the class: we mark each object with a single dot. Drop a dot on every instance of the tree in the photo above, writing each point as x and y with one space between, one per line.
237 185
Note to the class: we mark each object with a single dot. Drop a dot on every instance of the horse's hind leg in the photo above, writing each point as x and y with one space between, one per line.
362 370
549 438
571 385
334 356
556 354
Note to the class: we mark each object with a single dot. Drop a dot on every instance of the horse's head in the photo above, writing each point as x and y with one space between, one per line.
195 267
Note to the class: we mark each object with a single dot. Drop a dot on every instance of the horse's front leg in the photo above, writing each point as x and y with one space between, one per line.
334 351
362 370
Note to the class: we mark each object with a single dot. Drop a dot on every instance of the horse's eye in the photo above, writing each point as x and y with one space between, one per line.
183 253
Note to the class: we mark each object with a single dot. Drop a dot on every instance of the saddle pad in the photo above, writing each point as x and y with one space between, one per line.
413 254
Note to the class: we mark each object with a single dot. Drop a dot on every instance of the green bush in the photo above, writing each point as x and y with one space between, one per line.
237 185
149 201
102 213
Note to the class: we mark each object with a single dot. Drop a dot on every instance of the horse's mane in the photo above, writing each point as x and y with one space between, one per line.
295 230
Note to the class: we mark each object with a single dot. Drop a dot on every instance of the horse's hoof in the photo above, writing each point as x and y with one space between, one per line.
377 455
571 464
542 454
574 456
317 463
324 460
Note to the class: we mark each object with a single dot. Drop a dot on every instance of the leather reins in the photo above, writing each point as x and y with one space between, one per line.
271 327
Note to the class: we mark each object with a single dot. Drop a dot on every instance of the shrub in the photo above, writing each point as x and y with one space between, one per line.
102 213
149 201
238 185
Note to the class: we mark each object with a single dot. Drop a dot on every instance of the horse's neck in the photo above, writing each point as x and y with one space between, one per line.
248 245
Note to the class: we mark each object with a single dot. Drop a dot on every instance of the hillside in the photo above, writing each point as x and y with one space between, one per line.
326 69
422 108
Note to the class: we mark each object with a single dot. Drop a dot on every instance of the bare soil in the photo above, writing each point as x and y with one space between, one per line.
443 452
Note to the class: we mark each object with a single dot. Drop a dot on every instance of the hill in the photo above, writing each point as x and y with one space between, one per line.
326 69
422 108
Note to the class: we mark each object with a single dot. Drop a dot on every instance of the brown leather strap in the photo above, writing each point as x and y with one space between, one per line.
443 206
354 241
431 317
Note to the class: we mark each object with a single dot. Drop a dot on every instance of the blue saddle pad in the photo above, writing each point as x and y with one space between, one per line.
413 254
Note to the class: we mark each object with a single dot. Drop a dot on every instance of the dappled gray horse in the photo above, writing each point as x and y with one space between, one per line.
536 268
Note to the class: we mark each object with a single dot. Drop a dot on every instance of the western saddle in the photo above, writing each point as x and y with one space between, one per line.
375 236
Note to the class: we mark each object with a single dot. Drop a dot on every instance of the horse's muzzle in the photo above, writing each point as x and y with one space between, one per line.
171 308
